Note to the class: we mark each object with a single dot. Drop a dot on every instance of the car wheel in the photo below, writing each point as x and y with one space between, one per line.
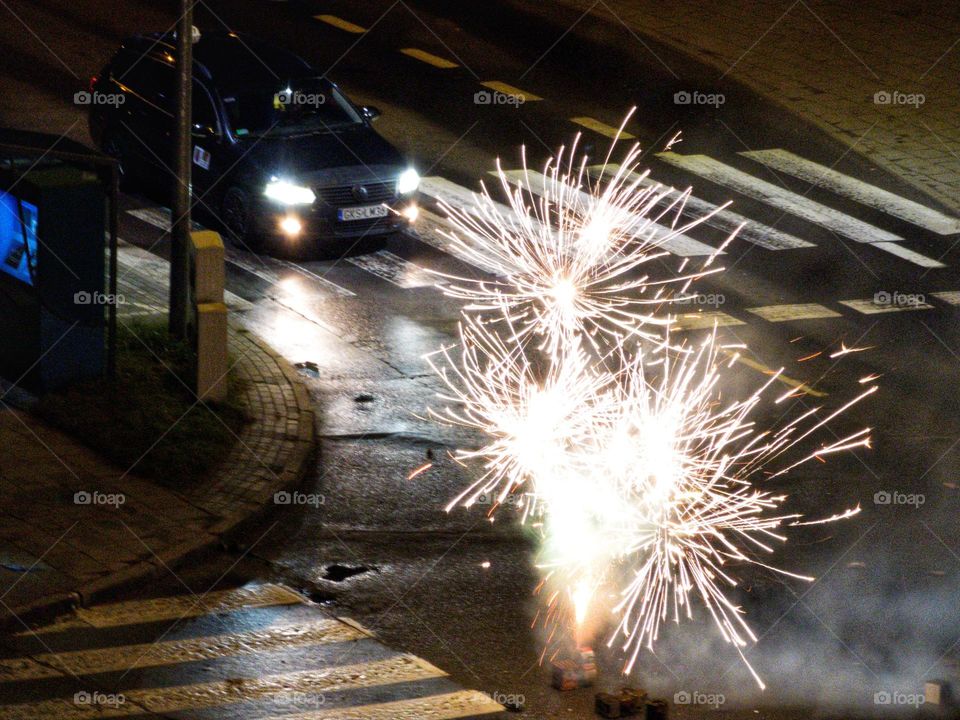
235 215
114 147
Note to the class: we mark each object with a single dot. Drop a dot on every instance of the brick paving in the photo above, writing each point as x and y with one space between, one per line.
827 61
56 550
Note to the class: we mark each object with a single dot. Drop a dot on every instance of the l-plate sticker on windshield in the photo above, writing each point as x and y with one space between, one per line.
201 157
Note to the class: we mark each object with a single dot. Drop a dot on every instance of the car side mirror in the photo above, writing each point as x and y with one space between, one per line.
203 132
369 112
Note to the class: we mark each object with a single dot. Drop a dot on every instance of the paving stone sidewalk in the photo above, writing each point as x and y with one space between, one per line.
881 76
73 528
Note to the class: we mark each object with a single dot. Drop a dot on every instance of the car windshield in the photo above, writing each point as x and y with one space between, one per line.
295 107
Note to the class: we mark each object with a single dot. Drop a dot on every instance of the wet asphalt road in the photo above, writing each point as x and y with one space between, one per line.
884 609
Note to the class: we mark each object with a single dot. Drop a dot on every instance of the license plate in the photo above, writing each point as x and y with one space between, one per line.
364 212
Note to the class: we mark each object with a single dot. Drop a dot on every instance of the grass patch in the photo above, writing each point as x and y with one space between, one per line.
145 418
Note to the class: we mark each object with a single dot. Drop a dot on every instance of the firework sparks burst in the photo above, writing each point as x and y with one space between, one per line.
642 478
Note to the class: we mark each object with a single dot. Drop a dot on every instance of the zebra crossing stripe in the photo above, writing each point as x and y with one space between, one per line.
907 254
785 379
182 606
460 198
725 220
448 706
704 320
951 297
857 190
870 306
394 269
180 698
602 128
174 652
681 245
435 230
794 203
786 313
261 266
341 24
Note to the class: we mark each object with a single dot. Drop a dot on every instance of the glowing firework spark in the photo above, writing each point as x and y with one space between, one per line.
629 460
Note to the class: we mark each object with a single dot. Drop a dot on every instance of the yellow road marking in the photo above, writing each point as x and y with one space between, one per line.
788 381
704 320
785 313
341 24
464 703
501 87
429 58
402 668
174 652
598 127
180 606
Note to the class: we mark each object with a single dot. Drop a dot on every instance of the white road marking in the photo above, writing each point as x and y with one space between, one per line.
431 229
794 203
394 269
263 266
602 128
869 307
681 245
907 254
857 190
951 297
726 220
786 313
704 320
448 706
459 197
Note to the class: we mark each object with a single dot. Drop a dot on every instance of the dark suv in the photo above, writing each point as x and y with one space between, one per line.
279 153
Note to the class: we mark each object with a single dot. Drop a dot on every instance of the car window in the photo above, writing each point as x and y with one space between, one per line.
151 80
204 113
293 107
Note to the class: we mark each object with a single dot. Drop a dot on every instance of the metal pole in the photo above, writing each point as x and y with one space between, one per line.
180 237
112 308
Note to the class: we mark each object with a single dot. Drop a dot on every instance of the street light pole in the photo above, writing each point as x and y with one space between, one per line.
180 237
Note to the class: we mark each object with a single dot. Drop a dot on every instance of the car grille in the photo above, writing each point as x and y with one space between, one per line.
343 195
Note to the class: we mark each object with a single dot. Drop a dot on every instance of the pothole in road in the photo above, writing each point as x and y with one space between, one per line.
339 573
311 369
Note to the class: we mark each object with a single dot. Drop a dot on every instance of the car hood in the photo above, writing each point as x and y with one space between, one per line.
358 155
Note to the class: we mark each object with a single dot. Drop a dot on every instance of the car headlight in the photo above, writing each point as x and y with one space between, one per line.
286 193
408 182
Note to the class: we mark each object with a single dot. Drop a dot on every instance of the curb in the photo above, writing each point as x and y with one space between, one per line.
43 610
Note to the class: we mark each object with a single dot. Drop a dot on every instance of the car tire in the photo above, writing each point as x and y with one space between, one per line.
114 146
235 217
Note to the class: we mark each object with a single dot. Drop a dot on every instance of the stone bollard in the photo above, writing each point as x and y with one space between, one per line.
208 314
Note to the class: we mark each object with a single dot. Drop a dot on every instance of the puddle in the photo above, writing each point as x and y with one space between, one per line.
339 573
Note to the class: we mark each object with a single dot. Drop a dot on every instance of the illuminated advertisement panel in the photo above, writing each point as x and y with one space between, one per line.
18 238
